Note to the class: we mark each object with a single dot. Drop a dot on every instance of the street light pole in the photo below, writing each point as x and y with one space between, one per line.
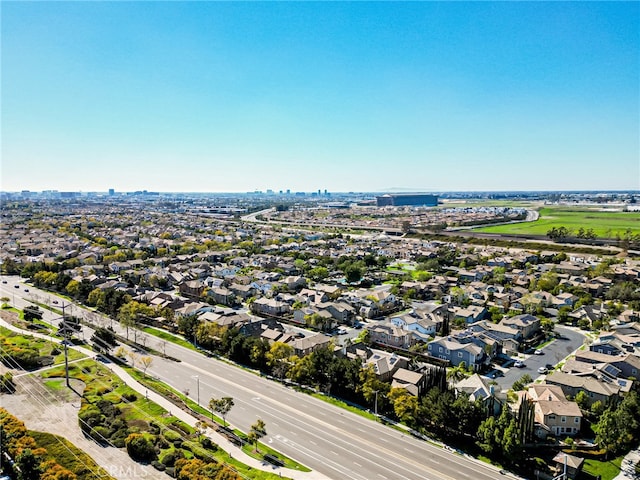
376 403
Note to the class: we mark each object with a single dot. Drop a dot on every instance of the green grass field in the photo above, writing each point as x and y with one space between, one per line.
604 224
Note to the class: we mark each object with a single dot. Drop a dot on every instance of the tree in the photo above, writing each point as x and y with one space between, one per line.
188 325
222 406
318 273
582 399
73 288
200 428
146 363
607 432
28 465
373 390
486 436
129 315
457 373
522 382
405 405
104 339
133 356
258 430
277 357
32 312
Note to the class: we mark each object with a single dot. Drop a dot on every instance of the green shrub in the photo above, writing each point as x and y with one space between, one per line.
140 448
208 444
171 435
130 397
100 434
169 459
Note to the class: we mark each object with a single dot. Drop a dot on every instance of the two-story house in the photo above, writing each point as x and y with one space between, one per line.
553 412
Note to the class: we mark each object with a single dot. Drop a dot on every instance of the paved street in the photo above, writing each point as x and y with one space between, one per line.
329 440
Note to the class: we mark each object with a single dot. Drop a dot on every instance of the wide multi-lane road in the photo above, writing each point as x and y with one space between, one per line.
337 443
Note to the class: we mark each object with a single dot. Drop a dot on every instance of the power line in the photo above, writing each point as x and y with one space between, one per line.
46 406
165 428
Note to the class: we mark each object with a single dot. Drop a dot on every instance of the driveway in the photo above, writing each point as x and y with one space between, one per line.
554 353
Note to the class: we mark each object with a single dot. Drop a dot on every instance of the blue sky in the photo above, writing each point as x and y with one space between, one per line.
213 96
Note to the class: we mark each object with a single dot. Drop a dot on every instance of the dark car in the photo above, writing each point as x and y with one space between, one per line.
16 286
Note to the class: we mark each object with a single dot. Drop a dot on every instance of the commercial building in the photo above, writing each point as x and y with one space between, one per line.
407 199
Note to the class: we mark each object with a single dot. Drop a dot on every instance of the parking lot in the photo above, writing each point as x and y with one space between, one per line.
553 353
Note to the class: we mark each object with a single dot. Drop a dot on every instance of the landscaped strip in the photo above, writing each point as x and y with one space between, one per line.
114 414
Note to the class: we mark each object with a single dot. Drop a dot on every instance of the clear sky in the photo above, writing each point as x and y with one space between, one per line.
238 96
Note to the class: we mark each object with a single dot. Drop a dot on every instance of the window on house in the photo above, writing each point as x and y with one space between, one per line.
446 351
563 419
576 420
440 349
634 371
459 354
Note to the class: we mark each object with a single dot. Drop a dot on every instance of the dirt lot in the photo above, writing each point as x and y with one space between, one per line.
55 411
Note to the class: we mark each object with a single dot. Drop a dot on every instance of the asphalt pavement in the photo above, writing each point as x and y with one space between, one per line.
553 353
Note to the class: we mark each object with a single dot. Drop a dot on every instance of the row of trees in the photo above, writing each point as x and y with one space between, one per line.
439 410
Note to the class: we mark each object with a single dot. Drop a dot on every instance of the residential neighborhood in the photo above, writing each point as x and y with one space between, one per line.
400 316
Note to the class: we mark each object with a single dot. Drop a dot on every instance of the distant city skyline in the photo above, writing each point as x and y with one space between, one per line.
357 96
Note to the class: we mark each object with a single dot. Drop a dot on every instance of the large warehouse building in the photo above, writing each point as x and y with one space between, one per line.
407 199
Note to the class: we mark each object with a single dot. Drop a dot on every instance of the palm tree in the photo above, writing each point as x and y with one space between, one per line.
258 430
455 374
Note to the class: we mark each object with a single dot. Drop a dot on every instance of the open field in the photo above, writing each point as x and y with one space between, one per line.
605 224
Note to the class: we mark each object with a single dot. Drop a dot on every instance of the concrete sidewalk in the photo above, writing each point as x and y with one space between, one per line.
628 465
186 417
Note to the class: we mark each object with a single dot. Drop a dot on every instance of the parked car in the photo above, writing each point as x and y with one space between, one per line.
538 352
16 286
26 289
543 370
519 364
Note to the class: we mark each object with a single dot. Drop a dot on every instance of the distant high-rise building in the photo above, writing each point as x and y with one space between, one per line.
112 192
288 192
